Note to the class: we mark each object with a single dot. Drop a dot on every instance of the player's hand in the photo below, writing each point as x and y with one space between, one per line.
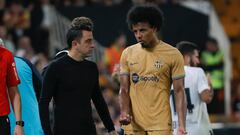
113 132
125 118
18 130
181 131
210 84
209 79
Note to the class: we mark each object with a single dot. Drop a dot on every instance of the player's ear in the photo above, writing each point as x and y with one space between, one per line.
154 29
74 43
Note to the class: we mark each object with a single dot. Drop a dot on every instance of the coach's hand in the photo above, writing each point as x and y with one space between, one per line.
113 132
125 118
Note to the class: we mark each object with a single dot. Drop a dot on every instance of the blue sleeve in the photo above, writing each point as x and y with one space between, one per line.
37 78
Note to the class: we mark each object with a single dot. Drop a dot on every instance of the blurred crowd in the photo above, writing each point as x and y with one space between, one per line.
24 29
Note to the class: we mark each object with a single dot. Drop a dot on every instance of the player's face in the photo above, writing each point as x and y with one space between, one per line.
144 34
85 46
194 60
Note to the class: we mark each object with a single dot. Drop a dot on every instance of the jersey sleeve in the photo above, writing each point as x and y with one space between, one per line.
37 78
12 75
47 92
101 105
202 81
177 66
124 68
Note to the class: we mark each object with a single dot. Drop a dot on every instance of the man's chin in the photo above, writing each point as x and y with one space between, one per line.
90 55
144 45
193 65
87 55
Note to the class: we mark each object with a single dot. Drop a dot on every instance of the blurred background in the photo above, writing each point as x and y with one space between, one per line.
35 29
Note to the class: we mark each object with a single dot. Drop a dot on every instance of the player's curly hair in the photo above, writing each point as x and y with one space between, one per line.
148 13
77 25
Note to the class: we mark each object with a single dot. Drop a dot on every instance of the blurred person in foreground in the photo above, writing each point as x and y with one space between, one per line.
147 70
9 93
198 92
73 82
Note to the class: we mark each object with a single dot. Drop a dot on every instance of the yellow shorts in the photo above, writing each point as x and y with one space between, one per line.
158 132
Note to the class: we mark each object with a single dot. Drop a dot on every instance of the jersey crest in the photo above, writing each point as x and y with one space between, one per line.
158 64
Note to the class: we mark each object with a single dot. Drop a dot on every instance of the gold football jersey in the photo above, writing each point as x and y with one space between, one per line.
151 71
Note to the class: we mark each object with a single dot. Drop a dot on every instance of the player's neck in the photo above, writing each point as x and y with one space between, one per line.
154 43
186 60
187 63
76 56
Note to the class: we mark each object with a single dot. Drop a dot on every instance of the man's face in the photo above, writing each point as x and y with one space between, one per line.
212 47
144 34
85 45
194 59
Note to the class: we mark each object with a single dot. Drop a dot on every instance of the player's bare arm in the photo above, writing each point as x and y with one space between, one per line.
16 103
124 100
207 94
180 102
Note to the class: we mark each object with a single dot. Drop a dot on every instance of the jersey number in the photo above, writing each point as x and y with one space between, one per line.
190 106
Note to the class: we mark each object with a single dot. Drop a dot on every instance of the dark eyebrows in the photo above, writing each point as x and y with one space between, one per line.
89 40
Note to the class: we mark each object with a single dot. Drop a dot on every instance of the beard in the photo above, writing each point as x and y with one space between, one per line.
144 45
192 64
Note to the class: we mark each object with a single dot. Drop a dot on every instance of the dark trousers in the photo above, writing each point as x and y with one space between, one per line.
4 125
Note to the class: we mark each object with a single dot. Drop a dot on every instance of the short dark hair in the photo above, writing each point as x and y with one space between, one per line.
145 13
186 47
77 25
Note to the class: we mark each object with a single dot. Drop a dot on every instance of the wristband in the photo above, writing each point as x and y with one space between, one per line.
20 123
